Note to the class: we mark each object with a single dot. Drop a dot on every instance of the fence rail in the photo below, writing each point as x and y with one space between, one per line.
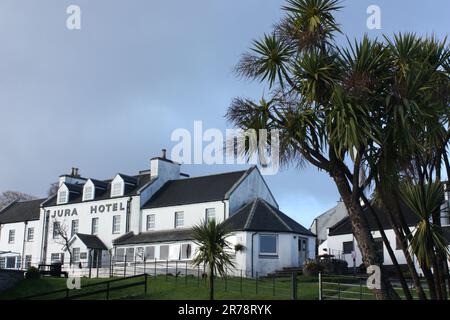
106 290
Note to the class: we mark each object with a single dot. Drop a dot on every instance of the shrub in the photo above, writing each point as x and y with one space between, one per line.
32 273
311 268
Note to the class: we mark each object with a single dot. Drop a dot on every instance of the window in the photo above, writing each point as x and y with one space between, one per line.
94 226
347 247
210 214
62 197
88 193
120 255
116 190
179 219
186 251
56 230
30 234
12 236
380 250
150 253
27 261
116 224
10 262
130 254
74 228
150 222
140 253
268 244
2 262
76 255
163 252
55 257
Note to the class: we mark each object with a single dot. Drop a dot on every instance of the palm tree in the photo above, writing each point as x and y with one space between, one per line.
427 242
212 251
362 113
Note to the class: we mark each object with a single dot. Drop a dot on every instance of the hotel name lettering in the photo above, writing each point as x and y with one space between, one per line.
102 208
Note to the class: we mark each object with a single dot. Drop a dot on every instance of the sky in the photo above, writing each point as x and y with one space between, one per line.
107 97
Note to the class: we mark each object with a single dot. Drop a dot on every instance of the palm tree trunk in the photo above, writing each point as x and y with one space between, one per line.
211 282
391 253
363 236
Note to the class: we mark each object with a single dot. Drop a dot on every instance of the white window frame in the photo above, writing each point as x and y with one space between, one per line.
116 224
117 189
182 251
146 252
12 236
63 196
76 254
30 234
55 230
207 214
179 214
94 224
73 224
28 261
151 224
276 244
168 252
88 192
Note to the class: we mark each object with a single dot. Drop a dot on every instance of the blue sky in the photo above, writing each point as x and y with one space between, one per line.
107 97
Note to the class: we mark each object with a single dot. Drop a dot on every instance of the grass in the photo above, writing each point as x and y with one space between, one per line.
172 288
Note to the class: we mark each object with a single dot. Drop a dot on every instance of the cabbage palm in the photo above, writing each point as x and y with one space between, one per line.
367 107
213 250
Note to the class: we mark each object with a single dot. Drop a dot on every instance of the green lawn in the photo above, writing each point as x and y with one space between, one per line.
193 288
171 288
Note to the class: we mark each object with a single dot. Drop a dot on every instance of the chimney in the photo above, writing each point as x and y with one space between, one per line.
163 168
74 172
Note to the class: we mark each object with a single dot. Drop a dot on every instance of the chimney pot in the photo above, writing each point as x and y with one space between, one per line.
164 153
74 172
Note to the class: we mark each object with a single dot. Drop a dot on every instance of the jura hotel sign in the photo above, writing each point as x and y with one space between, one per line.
102 208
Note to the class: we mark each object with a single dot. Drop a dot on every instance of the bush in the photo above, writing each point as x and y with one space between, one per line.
334 266
32 273
311 268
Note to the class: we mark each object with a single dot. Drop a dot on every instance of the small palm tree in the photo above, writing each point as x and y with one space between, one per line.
428 241
212 250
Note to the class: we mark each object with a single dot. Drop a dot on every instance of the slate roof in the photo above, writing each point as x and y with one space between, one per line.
344 226
259 215
130 190
155 236
195 190
21 211
91 241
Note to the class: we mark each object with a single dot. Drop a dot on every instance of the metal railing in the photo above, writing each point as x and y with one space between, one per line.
105 288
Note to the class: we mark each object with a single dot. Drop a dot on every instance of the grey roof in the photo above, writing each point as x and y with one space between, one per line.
91 241
195 190
155 236
259 215
345 227
21 211
130 190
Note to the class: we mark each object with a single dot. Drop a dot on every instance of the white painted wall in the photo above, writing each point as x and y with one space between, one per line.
253 186
116 206
193 215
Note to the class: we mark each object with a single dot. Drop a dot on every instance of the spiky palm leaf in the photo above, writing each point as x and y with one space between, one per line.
428 239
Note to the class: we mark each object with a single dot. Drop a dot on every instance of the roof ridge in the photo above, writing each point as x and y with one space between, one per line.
251 214
210 175
276 215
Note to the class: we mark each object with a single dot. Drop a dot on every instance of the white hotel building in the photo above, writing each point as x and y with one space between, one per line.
150 215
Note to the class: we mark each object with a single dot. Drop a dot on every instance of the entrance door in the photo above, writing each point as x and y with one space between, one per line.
302 251
97 258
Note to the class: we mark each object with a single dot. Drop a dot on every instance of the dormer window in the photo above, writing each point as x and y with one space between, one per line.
116 190
63 196
88 191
